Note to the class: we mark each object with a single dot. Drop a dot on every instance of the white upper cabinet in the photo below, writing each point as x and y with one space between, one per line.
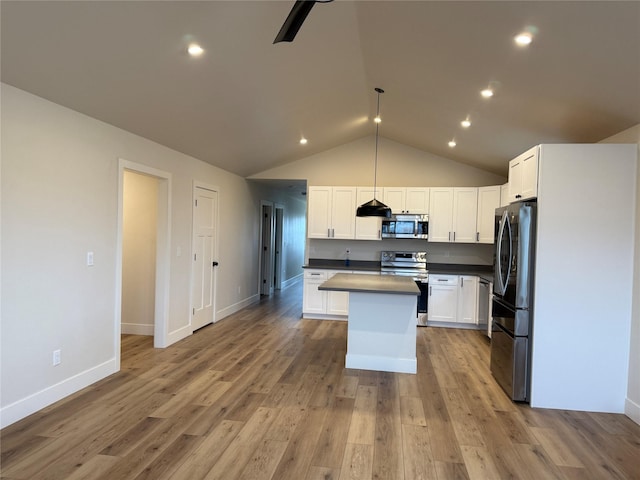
367 228
523 176
331 212
441 214
452 215
465 213
488 201
504 195
407 199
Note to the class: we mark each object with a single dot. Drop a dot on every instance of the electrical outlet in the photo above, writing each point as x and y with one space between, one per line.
90 259
56 357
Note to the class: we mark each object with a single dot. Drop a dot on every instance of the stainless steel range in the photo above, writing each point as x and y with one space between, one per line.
410 264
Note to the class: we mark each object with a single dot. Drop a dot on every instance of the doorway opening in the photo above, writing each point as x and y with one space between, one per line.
142 278
271 239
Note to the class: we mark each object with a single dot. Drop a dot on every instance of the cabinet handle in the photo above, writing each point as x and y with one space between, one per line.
430 288
328 233
443 280
379 236
461 282
333 232
449 236
454 236
477 236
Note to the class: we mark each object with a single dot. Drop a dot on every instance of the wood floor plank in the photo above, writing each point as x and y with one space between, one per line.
264 394
363 421
201 460
242 447
357 463
388 463
418 458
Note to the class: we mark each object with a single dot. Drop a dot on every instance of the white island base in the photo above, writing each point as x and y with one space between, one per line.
381 330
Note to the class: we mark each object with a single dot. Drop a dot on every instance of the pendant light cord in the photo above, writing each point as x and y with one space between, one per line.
375 163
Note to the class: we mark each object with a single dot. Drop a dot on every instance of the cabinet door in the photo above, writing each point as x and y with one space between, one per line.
468 299
337 302
417 200
314 300
343 213
440 214
465 213
523 176
367 228
443 298
504 195
515 179
319 200
530 174
394 198
488 201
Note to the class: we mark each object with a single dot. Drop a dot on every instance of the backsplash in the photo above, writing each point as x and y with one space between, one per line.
454 253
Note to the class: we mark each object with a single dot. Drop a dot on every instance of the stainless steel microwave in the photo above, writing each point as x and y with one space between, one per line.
406 226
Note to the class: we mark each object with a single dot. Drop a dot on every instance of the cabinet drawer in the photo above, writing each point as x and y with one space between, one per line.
443 279
315 274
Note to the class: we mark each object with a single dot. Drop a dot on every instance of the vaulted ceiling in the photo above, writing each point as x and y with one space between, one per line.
245 103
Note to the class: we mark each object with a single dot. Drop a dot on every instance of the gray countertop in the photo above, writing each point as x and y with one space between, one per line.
353 282
483 271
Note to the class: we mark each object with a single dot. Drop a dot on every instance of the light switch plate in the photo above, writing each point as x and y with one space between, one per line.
90 259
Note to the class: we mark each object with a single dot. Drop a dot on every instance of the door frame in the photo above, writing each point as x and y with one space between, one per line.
279 240
216 238
266 272
163 253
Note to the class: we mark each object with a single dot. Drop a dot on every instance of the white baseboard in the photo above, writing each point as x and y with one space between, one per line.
632 410
236 307
136 329
179 334
383 364
37 401
291 281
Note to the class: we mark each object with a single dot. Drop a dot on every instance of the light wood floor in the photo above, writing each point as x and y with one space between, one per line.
263 394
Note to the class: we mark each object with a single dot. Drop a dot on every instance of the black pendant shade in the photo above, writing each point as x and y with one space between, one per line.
375 208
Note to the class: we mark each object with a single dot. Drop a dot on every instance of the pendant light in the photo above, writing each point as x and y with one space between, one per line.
375 208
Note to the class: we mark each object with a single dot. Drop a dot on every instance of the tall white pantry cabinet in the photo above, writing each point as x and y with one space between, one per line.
583 276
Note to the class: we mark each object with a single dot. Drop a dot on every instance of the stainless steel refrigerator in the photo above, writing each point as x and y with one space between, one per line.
512 300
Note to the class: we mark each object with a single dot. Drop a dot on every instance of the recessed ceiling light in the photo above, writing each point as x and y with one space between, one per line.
377 119
487 93
195 50
523 39
466 123
303 141
452 143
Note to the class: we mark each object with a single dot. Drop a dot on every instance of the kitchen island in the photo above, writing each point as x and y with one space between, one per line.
381 331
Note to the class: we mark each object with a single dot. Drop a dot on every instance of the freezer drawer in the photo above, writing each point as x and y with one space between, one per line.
509 363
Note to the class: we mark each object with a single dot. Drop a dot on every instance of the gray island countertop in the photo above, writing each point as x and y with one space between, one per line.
353 282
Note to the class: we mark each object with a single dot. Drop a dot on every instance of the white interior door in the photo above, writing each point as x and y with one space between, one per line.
205 212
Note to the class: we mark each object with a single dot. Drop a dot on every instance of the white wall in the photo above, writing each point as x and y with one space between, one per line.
139 231
583 279
632 403
398 166
59 201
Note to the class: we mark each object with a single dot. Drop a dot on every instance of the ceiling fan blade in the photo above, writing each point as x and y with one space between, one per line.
294 21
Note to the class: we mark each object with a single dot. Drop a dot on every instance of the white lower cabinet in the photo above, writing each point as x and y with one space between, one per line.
443 298
323 304
453 298
468 299
314 300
